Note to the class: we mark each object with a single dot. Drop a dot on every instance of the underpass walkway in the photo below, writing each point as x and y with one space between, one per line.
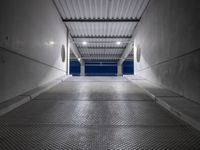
96 113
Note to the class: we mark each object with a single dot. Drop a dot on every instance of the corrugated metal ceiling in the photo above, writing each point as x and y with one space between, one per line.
101 28
101 48
102 9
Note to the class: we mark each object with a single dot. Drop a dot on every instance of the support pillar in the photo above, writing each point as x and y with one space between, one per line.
82 73
68 54
119 70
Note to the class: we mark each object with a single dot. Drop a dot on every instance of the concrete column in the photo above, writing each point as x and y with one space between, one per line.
68 53
119 70
82 69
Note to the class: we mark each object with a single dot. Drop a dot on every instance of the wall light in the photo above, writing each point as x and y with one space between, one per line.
84 43
79 59
51 42
118 42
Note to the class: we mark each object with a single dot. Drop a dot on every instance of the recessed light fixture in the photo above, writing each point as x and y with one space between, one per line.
84 43
118 42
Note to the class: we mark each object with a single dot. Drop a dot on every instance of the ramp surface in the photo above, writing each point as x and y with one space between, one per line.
94 113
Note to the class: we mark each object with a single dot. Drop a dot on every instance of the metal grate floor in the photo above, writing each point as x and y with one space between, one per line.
62 119
90 113
96 138
96 79
91 91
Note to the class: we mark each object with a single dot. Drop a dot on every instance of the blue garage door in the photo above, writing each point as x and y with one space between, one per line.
100 69
128 67
74 68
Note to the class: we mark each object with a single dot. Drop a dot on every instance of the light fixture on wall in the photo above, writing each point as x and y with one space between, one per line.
138 54
118 42
51 42
79 59
63 53
84 43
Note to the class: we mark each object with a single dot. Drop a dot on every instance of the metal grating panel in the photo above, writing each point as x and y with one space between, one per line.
94 122
98 138
96 79
94 91
99 113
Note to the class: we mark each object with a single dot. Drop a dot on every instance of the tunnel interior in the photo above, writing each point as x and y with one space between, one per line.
99 74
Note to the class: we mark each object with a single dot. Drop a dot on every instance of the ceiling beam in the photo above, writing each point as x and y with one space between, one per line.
101 20
101 58
126 52
101 47
75 51
102 37
101 64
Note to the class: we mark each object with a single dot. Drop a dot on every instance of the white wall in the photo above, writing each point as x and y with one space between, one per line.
27 60
169 38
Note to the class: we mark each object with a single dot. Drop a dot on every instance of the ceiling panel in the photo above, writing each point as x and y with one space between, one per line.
101 28
99 48
101 9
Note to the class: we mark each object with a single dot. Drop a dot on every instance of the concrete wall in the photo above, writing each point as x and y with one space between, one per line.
169 38
27 58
